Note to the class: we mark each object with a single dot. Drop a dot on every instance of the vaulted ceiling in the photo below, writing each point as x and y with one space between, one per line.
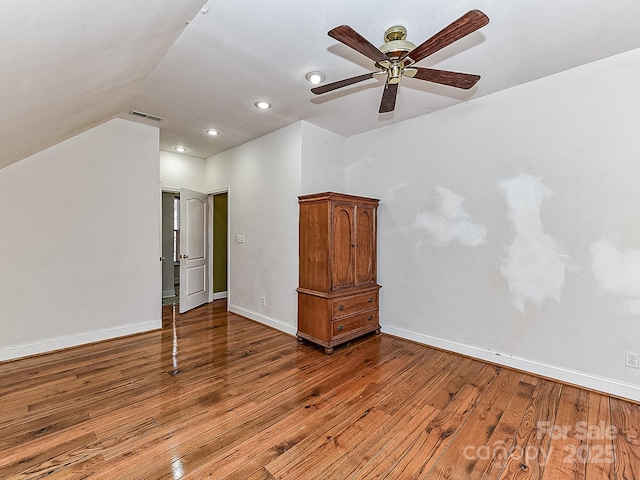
69 65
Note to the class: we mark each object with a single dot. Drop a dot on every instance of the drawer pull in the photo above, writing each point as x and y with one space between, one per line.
370 300
340 307
340 327
370 317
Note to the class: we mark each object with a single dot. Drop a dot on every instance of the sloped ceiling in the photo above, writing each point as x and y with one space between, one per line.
72 64
69 65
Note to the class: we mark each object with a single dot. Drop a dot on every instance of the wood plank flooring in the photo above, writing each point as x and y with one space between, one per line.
214 395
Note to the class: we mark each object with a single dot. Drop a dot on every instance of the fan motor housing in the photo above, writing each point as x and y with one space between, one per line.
396 45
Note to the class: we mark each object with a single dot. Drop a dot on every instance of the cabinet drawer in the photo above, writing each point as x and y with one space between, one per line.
348 324
341 307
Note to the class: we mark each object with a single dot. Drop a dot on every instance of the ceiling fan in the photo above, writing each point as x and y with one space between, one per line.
396 57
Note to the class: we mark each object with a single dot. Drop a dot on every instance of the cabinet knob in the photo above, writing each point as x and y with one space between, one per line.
370 300
340 327
370 317
340 307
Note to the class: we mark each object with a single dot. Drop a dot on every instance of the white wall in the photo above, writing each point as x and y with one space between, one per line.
509 225
181 171
323 160
80 241
263 177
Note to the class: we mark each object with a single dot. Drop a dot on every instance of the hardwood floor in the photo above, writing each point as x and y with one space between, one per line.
214 395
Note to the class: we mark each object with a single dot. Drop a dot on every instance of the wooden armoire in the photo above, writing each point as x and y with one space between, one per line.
337 292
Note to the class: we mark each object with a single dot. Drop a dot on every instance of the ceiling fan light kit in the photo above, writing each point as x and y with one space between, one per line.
396 57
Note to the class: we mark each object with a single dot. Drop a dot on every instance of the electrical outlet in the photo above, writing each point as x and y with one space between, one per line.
263 302
631 360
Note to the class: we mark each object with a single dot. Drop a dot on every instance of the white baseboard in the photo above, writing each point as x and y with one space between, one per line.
574 377
219 295
582 379
18 351
168 293
258 317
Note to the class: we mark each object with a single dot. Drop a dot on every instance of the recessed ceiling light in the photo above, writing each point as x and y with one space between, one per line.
263 105
315 77
180 149
212 132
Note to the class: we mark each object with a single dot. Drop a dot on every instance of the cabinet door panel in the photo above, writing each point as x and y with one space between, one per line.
365 241
342 264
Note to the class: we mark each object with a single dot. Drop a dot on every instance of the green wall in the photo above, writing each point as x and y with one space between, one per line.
220 243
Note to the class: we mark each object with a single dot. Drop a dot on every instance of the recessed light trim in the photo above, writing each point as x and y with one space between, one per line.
180 149
211 131
315 77
263 105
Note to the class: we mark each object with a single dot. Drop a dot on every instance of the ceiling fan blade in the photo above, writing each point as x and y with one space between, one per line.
466 24
453 79
351 38
342 83
388 102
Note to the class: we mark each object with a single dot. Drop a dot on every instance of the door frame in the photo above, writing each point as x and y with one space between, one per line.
210 194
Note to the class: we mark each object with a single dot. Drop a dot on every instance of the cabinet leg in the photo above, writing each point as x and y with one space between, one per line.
300 339
328 350
378 332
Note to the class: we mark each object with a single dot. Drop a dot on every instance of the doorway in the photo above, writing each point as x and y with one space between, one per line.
218 235
170 247
220 246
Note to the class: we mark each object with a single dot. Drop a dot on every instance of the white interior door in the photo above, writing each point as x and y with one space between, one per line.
194 257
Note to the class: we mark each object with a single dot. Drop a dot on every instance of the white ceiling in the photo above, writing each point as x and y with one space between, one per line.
69 65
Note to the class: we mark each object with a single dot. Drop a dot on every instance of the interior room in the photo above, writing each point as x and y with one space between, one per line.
504 157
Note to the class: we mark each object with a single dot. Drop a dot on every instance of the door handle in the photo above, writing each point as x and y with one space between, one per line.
184 256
